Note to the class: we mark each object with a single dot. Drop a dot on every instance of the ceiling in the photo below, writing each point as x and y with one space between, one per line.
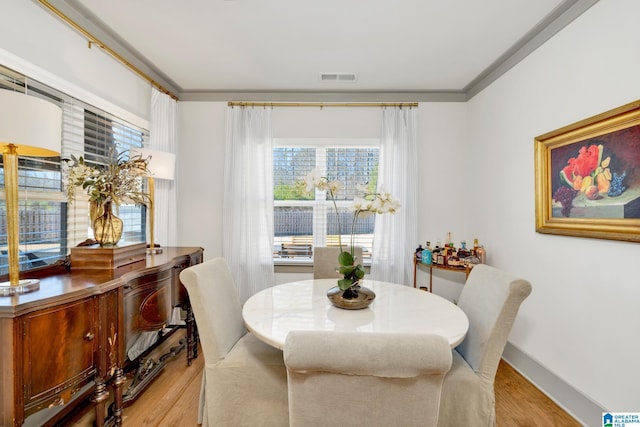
276 50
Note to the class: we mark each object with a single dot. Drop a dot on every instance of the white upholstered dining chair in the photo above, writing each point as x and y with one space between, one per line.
364 379
244 382
325 260
490 299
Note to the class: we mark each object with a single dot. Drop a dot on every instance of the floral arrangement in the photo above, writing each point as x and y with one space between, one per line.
121 179
368 204
589 174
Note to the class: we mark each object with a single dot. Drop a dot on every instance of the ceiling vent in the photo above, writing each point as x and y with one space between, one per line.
338 77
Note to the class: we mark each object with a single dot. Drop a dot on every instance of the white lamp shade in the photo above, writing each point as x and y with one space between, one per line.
162 165
32 124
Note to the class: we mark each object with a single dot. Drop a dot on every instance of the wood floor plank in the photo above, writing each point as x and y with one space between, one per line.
185 410
520 404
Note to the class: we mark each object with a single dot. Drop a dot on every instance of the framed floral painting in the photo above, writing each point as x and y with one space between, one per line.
587 177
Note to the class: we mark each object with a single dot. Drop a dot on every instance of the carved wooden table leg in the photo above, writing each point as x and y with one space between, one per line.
100 399
118 385
192 336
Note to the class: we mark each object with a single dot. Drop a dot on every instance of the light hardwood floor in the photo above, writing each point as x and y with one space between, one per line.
172 399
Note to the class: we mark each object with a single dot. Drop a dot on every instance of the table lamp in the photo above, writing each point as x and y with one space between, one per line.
29 126
161 166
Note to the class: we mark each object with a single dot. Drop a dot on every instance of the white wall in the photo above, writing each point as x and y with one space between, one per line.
443 188
34 42
581 321
200 172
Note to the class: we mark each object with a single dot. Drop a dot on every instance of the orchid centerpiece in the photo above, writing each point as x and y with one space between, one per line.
368 203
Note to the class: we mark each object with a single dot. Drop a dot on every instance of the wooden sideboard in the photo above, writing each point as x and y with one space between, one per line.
66 341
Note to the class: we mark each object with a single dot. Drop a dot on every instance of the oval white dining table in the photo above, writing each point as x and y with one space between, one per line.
303 305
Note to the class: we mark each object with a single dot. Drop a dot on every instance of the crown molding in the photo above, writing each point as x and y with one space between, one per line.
295 96
559 18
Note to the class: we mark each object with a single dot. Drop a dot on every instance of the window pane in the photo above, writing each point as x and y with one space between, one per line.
103 133
293 228
352 166
299 220
290 165
42 238
134 223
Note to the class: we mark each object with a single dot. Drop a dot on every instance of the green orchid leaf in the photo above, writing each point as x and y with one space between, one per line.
345 284
345 259
346 270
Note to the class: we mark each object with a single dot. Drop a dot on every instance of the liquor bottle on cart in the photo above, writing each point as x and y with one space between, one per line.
481 254
427 255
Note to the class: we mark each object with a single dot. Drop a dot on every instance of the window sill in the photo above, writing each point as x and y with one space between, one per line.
293 265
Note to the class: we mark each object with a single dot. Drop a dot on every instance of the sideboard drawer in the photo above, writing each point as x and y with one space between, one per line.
147 302
58 350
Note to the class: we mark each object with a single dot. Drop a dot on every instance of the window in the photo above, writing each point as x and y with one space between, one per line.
304 220
102 132
48 225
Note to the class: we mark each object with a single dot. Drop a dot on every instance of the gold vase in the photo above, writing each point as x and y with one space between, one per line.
107 227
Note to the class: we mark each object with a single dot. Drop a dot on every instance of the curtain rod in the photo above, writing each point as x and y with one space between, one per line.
94 40
322 104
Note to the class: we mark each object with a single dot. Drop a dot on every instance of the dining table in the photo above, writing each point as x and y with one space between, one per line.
397 309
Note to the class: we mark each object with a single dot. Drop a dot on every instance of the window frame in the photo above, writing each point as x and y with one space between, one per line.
320 205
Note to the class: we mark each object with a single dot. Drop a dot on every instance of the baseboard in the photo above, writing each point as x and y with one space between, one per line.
579 406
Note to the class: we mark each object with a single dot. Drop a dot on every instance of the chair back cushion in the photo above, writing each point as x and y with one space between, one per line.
216 306
350 379
491 299
325 260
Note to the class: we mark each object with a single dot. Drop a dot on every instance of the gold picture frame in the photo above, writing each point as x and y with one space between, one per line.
587 177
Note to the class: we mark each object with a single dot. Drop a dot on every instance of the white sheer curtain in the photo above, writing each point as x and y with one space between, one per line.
163 137
395 235
247 220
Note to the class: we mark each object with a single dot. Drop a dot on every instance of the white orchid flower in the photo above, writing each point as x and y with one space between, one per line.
376 205
313 180
335 186
361 188
368 204
393 205
360 204
384 194
389 206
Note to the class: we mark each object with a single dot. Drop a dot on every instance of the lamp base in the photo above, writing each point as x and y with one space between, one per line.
23 286
155 250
